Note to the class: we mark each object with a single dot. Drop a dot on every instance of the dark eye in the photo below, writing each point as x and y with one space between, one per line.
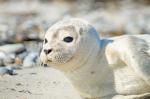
68 39
45 41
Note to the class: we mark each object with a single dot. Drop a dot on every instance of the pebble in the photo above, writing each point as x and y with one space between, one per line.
30 59
2 55
12 48
1 62
3 71
6 59
3 30
22 55
7 70
10 59
18 61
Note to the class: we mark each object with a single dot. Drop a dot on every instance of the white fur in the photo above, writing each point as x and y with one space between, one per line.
114 68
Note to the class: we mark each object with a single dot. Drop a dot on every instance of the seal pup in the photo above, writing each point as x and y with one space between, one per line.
112 68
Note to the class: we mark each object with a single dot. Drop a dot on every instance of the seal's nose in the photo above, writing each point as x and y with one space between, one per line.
47 51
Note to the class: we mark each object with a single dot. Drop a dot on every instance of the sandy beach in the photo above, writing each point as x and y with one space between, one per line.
37 83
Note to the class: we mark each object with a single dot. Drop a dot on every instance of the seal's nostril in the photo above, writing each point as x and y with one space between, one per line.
50 50
47 51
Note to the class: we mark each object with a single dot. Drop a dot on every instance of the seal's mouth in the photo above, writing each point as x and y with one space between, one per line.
49 60
43 64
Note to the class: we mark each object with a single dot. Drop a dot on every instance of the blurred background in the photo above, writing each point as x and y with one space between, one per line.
25 21
29 19
23 24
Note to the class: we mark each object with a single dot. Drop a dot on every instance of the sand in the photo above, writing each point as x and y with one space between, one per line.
37 83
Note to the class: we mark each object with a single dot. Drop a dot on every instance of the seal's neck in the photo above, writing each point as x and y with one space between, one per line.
94 77
95 57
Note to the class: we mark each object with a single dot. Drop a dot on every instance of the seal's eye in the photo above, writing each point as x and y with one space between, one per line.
45 41
68 39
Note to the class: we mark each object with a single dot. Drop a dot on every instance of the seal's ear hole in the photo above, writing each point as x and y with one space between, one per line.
81 31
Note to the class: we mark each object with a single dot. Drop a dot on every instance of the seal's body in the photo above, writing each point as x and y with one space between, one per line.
113 68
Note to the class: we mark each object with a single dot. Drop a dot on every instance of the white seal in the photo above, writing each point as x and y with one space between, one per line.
113 68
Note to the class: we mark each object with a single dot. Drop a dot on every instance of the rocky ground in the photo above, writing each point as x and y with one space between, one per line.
22 27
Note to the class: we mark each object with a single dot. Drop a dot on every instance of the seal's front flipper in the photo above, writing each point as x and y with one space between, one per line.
141 96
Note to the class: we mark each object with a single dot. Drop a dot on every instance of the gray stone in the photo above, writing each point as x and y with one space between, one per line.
10 59
30 59
12 48
6 70
2 58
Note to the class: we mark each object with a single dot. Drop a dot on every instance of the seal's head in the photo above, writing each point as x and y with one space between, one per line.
67 43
